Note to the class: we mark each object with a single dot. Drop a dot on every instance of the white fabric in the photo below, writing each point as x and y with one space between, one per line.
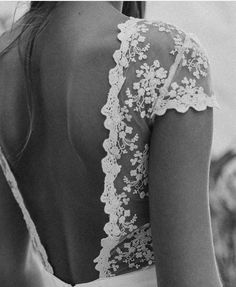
133 101
132 104
141 278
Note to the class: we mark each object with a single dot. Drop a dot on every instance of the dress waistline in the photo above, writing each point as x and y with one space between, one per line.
140 278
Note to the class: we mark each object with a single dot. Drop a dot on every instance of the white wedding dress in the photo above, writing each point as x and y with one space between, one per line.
141 88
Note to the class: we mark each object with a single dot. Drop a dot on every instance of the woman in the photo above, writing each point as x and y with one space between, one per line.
106 130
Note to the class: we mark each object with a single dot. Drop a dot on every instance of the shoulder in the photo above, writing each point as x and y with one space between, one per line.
163 41
171 67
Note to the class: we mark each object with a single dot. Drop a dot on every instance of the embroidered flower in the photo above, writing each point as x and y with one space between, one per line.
151 78
134 251
122 141
129 245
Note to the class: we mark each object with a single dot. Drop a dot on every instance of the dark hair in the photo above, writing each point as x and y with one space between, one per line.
134 8
33 22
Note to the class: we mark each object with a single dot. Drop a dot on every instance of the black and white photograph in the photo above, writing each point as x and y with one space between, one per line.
117 143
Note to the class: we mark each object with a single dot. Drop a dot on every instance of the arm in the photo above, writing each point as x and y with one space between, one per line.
179 178
179 168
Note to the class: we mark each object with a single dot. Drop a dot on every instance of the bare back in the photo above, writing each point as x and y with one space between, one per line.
59 173
85 68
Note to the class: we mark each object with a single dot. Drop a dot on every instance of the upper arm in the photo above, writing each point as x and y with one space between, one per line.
179 175
178 187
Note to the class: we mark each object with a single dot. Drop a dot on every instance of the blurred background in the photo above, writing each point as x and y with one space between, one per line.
214 22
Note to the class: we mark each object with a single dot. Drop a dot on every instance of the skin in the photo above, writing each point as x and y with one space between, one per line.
179 196
16 261
179 206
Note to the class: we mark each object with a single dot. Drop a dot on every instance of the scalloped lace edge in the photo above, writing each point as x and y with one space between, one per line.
182 107
109 163
28 220
209 101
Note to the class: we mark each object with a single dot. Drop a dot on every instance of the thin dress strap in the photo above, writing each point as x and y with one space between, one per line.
29 222
164 90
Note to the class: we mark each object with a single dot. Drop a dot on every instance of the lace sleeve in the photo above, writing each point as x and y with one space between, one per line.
188 83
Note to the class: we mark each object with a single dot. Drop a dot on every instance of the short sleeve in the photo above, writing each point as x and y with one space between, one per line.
189 80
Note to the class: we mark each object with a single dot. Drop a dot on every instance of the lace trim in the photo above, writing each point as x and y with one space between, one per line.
29 222
111 110
134 251
182 97
164 89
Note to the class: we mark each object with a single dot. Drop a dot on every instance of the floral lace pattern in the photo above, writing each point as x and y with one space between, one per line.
151 77
128 244
134 252
181 97
139 173
120 142
128 241
197 63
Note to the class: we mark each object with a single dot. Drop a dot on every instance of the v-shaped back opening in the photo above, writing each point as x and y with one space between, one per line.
11 180
34 236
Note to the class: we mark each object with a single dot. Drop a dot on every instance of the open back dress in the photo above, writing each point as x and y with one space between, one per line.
156 67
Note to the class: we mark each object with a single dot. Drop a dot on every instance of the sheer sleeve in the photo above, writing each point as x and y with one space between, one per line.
178 168
189 81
